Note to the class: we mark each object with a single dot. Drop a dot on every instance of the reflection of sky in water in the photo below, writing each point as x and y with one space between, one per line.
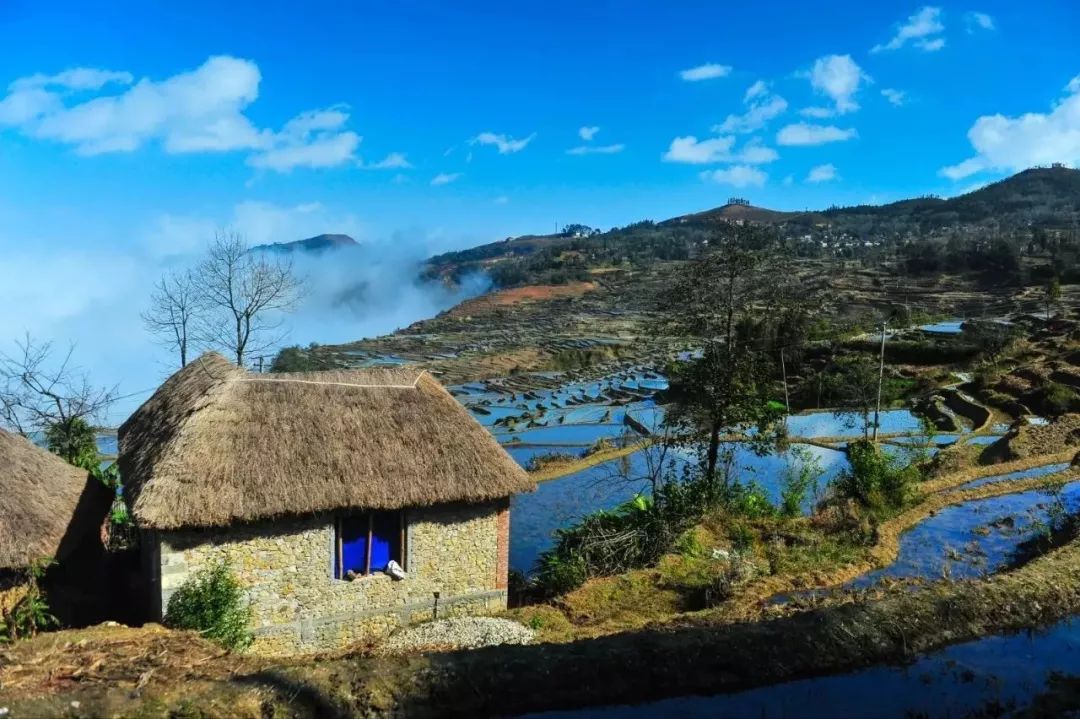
925 549
849 424
581 434
937 439
957 681
983 439
768 471
1022 474
952 327
558 503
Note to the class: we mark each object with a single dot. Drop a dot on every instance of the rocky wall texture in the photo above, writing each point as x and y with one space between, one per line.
287 570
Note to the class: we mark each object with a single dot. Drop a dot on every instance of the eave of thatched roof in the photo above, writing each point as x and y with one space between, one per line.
217 445
47 506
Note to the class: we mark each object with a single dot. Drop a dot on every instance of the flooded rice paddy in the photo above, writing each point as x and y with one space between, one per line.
547 414
992 676
948 327
975 539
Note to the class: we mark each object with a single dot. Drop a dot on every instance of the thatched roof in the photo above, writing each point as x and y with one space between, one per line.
216 445
47 506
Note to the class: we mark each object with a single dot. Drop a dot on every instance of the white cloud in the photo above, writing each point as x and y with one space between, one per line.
588 133
699 152
762 105
758 89
736 176
312 139
756 153
200 110
395 160
690 150
963 169
193 111
708 71
445 178
975 21
923 30
1017 143
505 143
596 149
896 97
837 77
77 78
819 113
803 133
822 173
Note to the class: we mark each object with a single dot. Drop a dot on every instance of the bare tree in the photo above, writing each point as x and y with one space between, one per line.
244 292
40 393
175 306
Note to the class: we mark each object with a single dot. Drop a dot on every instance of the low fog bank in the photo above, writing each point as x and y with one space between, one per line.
94 302
363 291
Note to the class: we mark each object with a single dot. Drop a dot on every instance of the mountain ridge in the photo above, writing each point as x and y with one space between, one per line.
317 244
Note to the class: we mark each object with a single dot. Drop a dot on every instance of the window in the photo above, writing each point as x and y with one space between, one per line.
366 542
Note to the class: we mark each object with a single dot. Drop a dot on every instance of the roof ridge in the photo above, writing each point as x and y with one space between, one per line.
337 384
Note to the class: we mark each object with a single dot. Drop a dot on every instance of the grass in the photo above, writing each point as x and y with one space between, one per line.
766 556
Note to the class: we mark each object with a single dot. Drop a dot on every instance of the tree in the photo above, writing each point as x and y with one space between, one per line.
39 394
739 301
75 442
175 306
1052 294
854 382
244 293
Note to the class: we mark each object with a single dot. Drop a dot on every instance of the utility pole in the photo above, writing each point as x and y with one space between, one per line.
783 368
881 379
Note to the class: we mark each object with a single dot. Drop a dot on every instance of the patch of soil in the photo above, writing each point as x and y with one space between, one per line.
517 295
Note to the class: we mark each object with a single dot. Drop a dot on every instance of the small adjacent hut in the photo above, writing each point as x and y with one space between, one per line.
309 485
51 511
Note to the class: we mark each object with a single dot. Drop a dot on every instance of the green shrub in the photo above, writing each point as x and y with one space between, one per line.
75 440
742 536
748 499
875 480
212 603
798 479
689 546
1057 399
559 572
31 613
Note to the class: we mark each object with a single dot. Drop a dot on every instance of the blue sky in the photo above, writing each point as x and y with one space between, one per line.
129 131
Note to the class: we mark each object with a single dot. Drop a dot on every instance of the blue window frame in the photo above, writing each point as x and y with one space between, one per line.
367 542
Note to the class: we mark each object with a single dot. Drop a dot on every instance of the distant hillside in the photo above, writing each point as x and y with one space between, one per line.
1048 197
1044 198
317 244
735 211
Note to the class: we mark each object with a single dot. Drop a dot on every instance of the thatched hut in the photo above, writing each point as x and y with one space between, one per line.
309 485
50 511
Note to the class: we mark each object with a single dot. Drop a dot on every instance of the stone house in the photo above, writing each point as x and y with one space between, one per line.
51 512
309 485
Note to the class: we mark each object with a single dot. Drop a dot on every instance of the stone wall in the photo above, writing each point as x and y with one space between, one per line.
287 569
